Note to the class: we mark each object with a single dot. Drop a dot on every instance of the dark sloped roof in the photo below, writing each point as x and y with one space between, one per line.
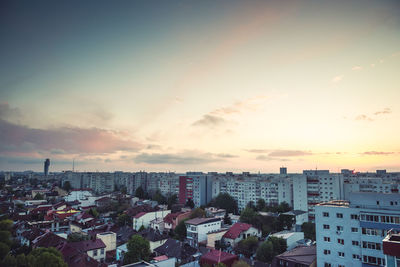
152 235
175 248
48 239
87 245
302 254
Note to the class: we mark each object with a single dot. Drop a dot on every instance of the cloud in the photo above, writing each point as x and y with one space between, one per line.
210 121
68 140
363 117
218 116
337 79
258 150
384 111
268 158
355 68
289 153
175 159
8 113
223 155
377 153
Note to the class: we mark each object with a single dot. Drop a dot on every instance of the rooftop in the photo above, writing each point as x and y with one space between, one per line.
303 255
236 230
198 221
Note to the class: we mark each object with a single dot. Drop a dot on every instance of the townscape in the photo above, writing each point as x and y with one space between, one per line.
199 219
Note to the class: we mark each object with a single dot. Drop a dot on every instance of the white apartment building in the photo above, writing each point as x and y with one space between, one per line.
198 228
350 233
168 184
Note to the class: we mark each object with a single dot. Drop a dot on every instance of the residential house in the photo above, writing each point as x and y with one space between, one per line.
198 228
144 218
238 232
304 256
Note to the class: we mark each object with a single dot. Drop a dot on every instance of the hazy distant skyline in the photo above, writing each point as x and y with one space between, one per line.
200 85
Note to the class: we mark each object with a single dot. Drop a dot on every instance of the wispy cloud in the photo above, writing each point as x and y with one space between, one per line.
363 117
377 153
355 68
185 158
268 158
258 150
337 79
209 121
219 116
384 111
289 153
68 140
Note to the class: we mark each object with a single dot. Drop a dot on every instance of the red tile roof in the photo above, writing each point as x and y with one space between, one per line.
215 256
236 229
140 214
171 217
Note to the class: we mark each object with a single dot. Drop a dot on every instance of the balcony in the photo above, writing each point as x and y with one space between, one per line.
391 243
312 194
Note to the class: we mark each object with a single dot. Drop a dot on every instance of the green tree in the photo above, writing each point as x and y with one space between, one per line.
220 264
9 261
138 249
283 207
265 252
248 215
159 197
308 228
67 186
189 203
180 230
139 192
5 237
4 249
94 212
46 257
197 213
279 244
225 201
22 260
6 225
38 196
227 219
260 204
285 221
240 264
173 199
123 190
77 237
124 219
247 246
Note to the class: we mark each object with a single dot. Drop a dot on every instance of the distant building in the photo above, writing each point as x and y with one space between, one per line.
46 167
283 170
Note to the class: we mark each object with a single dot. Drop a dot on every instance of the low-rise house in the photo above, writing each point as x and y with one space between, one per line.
155 238
299 256
144 218
173 219
109 239
214 257
174 248
215 237
157 224
95 249
290 237
215 212
198 228
238 232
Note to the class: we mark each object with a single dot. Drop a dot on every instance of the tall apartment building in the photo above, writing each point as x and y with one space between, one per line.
185 189
202 188
350 233
168 184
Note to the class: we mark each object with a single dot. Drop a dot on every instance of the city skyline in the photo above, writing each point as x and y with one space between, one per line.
211 85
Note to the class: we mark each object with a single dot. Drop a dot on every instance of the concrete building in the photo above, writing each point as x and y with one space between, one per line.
202 188
198 228
290 237
144 218
109 239
350 233
391 248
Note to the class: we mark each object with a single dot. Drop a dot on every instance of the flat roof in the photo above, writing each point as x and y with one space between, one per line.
198 221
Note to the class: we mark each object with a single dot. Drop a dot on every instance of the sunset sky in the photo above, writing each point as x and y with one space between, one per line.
200 85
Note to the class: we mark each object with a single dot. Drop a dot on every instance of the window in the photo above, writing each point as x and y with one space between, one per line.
341 265
327 264
354 216
95 252
327 239
371 245
339 228
326 226
354 229
341 254
355 256
339 215
327 252
340 241
102 251
325 214
355 243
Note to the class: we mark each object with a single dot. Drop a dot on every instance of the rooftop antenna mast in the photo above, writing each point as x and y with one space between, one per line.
73 164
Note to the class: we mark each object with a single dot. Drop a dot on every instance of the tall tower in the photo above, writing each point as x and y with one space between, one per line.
46 166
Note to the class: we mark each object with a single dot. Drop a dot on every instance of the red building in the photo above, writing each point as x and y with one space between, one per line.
185 189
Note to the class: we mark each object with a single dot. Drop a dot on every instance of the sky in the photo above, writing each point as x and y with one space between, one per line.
200 85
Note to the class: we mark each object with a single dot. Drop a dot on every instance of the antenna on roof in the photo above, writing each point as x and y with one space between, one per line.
73 164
